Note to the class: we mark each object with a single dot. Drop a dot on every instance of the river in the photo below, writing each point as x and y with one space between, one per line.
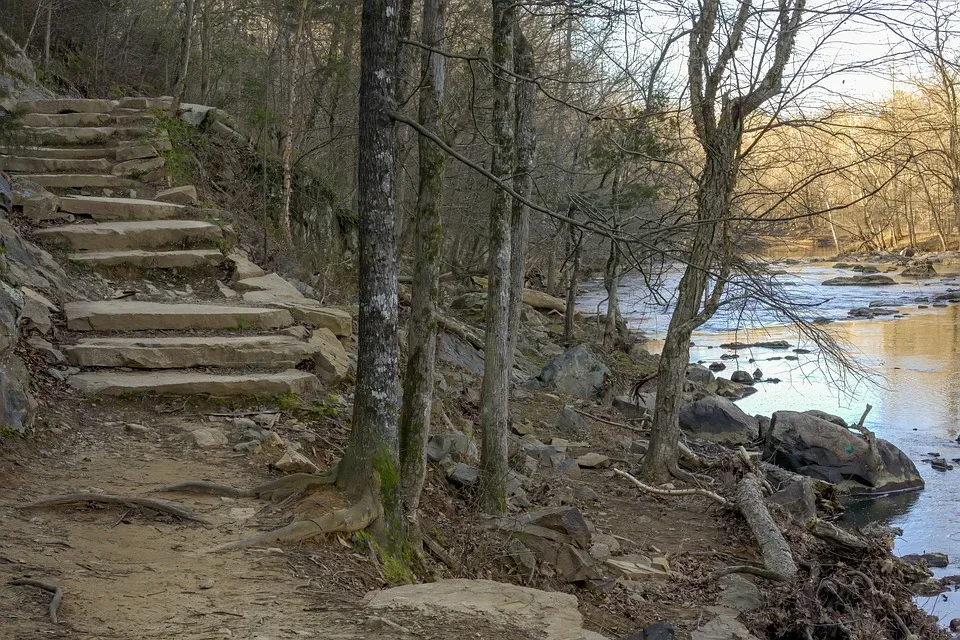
914 387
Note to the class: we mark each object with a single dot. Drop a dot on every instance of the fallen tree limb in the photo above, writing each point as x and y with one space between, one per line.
103 498
274 490
776 554
52 588
354 518
674 492
832 533
459 329
685 451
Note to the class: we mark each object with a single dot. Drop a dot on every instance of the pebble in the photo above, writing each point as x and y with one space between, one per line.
207 584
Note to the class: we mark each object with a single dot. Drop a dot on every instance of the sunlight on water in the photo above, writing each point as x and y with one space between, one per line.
914 389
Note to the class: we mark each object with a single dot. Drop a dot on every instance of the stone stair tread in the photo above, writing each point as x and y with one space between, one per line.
180 258
78 180
108 209
139 234
17 163
133 315
181 352
63 153
115 383
67 105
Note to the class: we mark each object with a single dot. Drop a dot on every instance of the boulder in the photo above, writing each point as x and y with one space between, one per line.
547 615
655 631
741 377
330 358
859 281
571 423
636 407
179 195
295 462
717 366
919 271
456 352
733 390
810 446
931 560
457 444
798 498
207 438
724 627
472 302
739 593
593 460
702 376
829 417
577 372
769 344
719 420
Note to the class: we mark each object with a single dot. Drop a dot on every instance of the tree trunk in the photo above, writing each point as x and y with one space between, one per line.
287 154
526 142
180 86
552 269
573 254
427 250
205 46
611 279
372 455
46 37
494 395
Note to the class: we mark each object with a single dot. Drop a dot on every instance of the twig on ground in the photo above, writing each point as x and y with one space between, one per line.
52 588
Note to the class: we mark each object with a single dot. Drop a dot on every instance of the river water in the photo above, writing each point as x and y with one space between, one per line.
914 386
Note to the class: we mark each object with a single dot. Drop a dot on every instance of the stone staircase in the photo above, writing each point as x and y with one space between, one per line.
96 165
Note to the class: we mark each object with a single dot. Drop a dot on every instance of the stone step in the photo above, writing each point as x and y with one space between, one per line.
66 105
82 135
186 383
44 165
275 352
85 120
80 181
177 259
131 315
64 153
108 209
147 234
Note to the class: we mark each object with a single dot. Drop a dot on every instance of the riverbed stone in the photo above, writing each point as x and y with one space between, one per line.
919 271
741 377
719 420
577 372
859 281
810 446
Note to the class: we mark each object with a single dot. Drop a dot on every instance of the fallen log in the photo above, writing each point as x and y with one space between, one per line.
776 554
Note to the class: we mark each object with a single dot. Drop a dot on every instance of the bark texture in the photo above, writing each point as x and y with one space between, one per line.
777 557
526 145
288 129
494 394
427 250
373 451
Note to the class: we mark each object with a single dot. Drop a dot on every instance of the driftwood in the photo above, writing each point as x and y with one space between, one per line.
103 498
674 492
832 533
777 557
52 588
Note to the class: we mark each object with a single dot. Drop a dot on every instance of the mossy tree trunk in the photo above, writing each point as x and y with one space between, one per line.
371 461
526 145
427 250
494 395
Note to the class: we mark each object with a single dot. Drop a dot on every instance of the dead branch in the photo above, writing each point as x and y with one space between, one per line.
52 588
832 533
777 557
103 498
436 549
674 492
459 329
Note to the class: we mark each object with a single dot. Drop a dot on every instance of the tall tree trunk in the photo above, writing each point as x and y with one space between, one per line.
611 278
186 40
494 395
526 144
46 37
205 51
372 456
427 250
288 129
573 254
552 268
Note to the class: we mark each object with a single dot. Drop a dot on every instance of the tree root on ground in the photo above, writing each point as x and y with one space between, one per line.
52 588
674 492
354 518
103 498
275 490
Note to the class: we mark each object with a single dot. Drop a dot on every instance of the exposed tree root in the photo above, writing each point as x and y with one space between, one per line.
674 492
103 498
746 568
275 490
776 553
52 588
353 518
833 533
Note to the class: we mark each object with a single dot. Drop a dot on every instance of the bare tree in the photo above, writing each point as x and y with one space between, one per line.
494 395
719 111
293 64
427 255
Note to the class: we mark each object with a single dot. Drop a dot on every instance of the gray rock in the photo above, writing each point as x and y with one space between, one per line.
859 281
455 352
734 390
571 423
741 377
472 302
717 366
245 423
702 376
656 631
576 372
719 420
206 438
462 475
439 446
739 593
637 407
919 271
829 417
807 445
798 498
723 628
593 460
932 560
